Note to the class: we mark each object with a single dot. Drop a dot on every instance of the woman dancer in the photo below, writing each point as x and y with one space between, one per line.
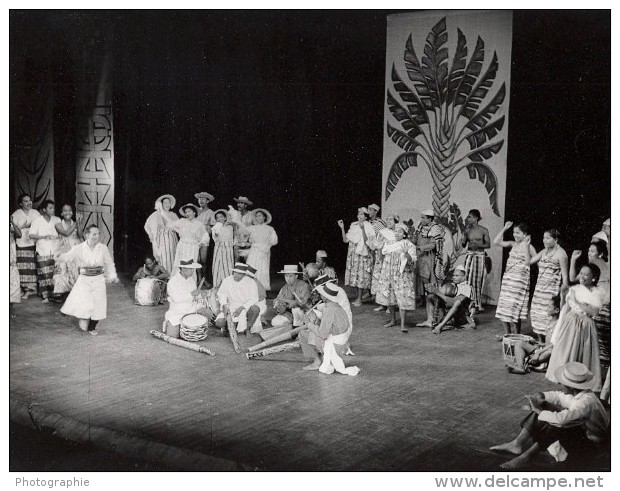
552 277
359 260
15 291
163 239
192 234
262 238
515 289
223 253
383 237
575 338
87 300
66 274
22 219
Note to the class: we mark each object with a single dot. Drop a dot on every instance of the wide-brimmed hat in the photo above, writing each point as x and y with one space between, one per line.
204 194
321 253
190 205
429 212
243 199
250 271
240 268
607 222
189 263
402 227
322 280
173 201
376 207
576 375
264 212
364 209
600 236
329 290
290 269
221 210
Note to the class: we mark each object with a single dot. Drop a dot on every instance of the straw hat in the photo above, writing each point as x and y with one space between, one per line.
600 236
189 205
264 212
376 207
321 253
204 194
173 201
243 199
607 222
322 280
364 209
402 227
189 263
221 210
329 291
250 271
290 269
576 375
428 212
240 268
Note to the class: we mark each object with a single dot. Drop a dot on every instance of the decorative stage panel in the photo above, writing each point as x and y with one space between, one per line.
446 122
95 172
33 156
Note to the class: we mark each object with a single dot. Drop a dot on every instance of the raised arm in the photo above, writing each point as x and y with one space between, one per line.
61 231
572 275
499 238
344 234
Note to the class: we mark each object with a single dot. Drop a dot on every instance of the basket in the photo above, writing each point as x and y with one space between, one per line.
194 327
508 345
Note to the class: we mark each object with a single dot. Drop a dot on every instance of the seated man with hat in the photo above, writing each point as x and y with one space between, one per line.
238 296
560 421
181 291
330 337
294 294
456 295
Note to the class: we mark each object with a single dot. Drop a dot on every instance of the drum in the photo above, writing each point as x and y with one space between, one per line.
193 327
508 345
149 291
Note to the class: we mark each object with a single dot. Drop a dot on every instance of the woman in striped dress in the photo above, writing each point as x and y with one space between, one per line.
22 219
15 291
552 277
515 290
359 260
164 240
66 273
384 235
223 253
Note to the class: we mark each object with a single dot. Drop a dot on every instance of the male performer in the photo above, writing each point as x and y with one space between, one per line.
294 294
426 239
207 217
476 239
181 291
459 304
238 296
330 337
560 420
242 246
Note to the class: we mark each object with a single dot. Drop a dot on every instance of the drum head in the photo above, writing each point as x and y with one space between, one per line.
194 320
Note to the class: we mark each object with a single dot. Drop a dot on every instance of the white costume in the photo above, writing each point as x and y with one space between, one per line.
88 299
180 297
192 235
235 294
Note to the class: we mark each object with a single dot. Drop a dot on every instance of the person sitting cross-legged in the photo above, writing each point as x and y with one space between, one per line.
238 296
294 294
560 421
181 292
438 298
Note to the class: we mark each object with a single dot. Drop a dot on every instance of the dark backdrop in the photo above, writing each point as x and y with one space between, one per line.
286 107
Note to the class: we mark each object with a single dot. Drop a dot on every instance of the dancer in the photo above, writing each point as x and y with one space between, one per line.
22 219
575 338
43 231
87 300
358 272
384 236
182 292
262 237
397 279
164 239
515 290
242 244
559 420
552 278
192 234
15 291
69 235
223 252
476 239
207 216
238 296
427 238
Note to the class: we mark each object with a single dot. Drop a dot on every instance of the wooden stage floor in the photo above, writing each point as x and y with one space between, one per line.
422 402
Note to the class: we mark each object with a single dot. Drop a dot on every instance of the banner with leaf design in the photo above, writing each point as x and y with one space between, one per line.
446 123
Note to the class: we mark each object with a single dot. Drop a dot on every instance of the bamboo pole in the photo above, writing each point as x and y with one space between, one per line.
181 343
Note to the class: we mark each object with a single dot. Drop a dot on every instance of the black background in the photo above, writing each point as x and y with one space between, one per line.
286 107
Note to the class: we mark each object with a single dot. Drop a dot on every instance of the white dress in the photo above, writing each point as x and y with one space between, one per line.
163 239
263 238
88 298
193 234
180 298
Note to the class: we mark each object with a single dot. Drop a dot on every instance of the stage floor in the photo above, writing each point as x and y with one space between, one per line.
422 402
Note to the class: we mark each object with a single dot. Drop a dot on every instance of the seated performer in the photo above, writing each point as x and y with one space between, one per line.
181 294
534 354
318 268
238 296
560 422
151 269
294 294
330 337
459 303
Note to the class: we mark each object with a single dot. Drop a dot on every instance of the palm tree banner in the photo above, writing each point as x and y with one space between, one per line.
446 123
